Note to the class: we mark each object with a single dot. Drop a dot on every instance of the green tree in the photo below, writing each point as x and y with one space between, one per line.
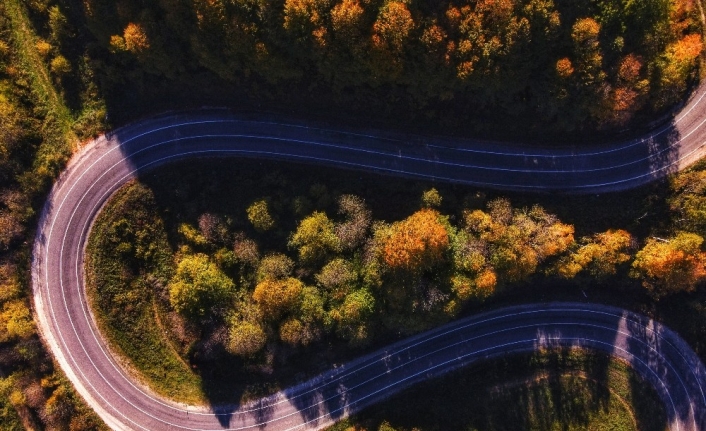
58 25
294 332
688 199
352 315
199 286
431 198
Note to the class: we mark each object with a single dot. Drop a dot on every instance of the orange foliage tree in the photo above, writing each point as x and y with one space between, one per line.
274 297
136 40
392 27
417 242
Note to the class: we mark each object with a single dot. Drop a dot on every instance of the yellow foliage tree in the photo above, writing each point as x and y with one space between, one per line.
245 338
599 255
518 240
259 215
676 65
315 237
346 18
275 297
16 321
671 266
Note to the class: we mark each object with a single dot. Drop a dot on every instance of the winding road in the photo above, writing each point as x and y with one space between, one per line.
108 162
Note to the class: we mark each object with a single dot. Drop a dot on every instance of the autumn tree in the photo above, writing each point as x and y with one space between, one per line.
676 66
392 27
16 321
274 266
315 237
473 275
416 243
245 338
351 316
135 37
353 230
337 278
518 240
213 228
275 297
669 266
199 286
599 256
431 198
259 215
305 19
589 58
346 21
246 251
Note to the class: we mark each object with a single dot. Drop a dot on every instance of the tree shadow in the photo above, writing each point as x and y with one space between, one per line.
672 369
663 152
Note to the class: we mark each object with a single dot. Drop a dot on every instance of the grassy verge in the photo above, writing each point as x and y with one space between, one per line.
123 299
47 98
554 390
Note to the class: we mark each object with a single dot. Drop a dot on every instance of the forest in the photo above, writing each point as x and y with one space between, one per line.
525 69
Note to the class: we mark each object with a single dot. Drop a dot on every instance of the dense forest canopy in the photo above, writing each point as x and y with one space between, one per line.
542 65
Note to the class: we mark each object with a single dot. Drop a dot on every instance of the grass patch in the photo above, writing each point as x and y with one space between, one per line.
123 297
551 390
46 97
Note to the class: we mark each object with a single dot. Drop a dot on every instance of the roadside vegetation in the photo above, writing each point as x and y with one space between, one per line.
527 69
38 131
260 280
566 390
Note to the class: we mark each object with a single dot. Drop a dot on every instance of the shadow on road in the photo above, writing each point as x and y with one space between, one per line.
663 153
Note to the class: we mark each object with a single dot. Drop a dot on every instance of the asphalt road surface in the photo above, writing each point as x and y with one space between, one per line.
106 163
